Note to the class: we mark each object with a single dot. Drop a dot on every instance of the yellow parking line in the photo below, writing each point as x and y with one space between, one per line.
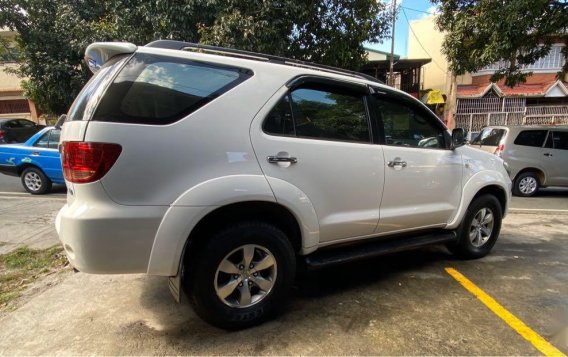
530 335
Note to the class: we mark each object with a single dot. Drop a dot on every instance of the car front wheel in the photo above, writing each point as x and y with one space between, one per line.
479 229
242 275
35 181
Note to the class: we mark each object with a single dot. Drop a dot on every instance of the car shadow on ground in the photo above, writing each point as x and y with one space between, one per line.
315 294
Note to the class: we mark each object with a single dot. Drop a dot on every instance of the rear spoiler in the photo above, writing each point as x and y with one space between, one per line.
100 52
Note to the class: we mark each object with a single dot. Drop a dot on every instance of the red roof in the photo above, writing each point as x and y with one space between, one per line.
521 90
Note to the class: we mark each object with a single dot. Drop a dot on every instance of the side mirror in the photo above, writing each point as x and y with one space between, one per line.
60 121
458 138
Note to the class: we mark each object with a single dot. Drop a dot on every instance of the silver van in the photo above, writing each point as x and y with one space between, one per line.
537 155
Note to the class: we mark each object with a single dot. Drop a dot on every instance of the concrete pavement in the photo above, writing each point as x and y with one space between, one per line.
400 304
28 221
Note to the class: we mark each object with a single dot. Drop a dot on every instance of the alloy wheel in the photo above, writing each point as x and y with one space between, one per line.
245 276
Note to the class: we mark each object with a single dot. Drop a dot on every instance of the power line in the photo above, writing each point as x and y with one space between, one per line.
420 43
422 11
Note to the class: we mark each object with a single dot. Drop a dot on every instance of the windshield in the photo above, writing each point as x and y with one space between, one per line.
489 137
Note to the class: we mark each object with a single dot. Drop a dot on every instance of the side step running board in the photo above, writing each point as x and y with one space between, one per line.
344 254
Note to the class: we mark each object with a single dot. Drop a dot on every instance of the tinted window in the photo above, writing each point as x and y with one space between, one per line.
79 106
405 126
318 111
531 138
489 137
560 140
160 90
13 124
279 121
26 123
330 114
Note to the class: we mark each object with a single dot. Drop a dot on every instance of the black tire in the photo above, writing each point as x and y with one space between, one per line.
35 181
526 184
471 243
203 279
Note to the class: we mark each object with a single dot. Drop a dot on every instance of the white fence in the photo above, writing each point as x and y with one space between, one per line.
537 115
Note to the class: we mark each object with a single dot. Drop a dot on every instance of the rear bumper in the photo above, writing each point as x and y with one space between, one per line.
107 238
11 170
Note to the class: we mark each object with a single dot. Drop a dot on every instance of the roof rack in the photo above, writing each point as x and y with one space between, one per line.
189 46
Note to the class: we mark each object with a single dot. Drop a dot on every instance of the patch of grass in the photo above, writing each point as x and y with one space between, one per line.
23 266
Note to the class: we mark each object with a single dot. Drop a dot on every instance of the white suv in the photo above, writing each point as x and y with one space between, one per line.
226 170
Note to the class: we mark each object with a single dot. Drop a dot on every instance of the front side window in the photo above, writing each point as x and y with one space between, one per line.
153 89
320 112
531 138
405 126
489 137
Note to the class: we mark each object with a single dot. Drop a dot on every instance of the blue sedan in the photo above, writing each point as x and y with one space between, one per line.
37 161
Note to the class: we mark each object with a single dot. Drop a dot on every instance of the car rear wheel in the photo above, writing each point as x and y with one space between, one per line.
479 229
526 184
242 275
35 181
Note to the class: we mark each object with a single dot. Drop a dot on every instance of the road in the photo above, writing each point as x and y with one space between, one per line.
403 304
13 185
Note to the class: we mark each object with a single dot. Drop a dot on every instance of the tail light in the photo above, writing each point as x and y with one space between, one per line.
499 150
2 133
85 162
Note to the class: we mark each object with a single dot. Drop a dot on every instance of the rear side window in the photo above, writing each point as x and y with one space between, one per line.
560 140
531 138
489 137
153 89
320 112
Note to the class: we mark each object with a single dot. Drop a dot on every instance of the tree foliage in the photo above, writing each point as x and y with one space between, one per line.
327 31
53 34
517 32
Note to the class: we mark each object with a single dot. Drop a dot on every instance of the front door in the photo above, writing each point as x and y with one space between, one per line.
317 138
423 177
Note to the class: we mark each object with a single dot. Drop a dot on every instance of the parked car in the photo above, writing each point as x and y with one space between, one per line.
17 130
37 161
258 165
537 156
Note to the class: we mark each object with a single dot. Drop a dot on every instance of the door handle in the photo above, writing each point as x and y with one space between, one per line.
396 163
277 159
548 154
35 153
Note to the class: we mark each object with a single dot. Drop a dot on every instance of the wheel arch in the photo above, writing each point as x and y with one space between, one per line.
539 173
23 167
482 183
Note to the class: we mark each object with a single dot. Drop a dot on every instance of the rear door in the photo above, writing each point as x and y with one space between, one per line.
317 137
423 177
556 158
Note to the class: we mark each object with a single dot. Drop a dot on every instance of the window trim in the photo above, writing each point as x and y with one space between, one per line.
305 80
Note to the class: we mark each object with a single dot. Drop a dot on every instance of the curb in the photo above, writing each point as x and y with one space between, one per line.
538 211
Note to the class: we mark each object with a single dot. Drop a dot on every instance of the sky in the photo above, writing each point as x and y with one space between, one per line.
414 9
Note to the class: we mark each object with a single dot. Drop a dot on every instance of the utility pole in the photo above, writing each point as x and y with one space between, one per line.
391 72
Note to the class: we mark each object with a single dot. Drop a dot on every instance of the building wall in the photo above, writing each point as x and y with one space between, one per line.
13 104
425 41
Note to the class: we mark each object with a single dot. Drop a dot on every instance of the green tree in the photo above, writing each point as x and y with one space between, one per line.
517 32
53 35
330 32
